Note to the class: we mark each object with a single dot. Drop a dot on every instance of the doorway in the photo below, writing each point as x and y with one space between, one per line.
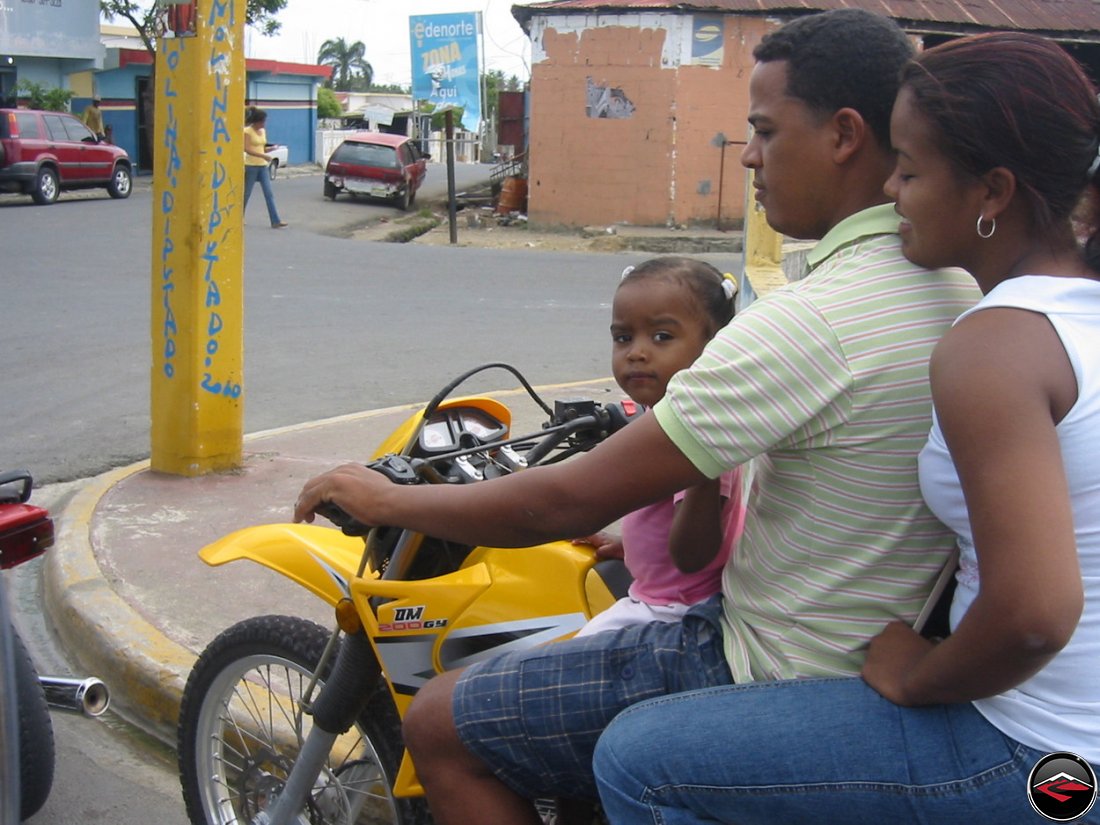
144 105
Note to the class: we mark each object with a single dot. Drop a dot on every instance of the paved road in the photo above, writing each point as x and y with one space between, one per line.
332 324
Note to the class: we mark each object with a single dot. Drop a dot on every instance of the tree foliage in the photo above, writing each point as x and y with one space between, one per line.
149 19
439 116
391 88
45 97
327 103
495 83
350 69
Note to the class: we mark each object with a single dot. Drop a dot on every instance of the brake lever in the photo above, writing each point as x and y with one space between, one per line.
586 423
561 433
15 487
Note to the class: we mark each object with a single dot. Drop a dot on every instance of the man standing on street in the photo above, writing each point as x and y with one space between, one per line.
93 119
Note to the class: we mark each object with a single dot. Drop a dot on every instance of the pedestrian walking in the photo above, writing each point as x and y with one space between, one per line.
257 162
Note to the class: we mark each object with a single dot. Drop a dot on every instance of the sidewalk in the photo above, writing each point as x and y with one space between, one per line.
125 589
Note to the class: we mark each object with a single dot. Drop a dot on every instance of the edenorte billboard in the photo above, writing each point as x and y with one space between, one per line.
445 68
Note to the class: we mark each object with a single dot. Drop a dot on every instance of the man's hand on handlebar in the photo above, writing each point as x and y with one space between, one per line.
352 488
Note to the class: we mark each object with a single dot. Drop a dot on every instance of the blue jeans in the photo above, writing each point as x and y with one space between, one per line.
533 716
261 174
812 752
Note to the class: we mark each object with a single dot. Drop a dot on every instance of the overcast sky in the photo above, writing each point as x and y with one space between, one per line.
383 27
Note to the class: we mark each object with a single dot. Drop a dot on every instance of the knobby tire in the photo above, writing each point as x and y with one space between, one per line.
226 771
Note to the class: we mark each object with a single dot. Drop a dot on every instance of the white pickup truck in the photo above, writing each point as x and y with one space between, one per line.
280 156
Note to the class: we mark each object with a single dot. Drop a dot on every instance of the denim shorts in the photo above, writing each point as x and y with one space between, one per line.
533 717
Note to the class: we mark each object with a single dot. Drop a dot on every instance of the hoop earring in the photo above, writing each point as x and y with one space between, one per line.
992 227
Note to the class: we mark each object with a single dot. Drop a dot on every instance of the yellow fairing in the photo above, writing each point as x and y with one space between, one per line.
320 559
500 599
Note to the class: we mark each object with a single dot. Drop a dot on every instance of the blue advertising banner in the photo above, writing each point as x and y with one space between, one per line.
445 68
707 40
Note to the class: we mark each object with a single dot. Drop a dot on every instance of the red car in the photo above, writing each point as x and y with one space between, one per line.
43 153
378 165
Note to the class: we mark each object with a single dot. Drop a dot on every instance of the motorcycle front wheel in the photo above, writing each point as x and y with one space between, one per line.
241 727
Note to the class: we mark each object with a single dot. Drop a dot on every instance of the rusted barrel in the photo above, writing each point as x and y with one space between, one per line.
513 196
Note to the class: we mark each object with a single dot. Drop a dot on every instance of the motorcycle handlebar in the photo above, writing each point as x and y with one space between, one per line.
15 487
594 422
584 418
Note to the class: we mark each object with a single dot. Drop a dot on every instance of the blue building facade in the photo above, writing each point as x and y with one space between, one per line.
286 91
42 43
65 46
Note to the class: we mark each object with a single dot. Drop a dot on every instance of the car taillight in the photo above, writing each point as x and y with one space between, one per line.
28 535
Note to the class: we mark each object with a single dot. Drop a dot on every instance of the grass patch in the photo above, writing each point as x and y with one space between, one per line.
404 234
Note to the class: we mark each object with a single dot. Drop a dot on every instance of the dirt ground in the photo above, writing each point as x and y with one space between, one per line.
481 228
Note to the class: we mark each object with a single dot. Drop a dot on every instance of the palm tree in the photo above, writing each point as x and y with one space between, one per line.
347 61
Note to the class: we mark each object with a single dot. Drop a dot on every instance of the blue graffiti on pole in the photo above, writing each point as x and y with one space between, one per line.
220 21
172 164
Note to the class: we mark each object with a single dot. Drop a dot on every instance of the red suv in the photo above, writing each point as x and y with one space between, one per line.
42 153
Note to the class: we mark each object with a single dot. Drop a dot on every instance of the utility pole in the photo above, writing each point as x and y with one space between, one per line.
197 335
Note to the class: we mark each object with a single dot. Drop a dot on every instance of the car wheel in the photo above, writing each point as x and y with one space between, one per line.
330 190
273 167
121 182
47 187
404 199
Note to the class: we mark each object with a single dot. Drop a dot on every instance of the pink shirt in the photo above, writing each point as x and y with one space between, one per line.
645 534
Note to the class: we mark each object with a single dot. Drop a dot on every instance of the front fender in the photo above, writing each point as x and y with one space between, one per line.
321 559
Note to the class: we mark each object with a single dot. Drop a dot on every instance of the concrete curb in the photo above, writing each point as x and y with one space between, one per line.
144 669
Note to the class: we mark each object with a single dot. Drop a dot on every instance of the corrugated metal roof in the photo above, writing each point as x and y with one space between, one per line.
1069 19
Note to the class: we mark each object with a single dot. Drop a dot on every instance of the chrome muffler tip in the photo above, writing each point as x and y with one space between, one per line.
89 696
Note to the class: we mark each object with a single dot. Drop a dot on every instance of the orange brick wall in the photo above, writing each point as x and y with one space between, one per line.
659 165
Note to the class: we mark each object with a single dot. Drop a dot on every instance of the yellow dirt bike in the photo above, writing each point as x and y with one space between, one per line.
283 721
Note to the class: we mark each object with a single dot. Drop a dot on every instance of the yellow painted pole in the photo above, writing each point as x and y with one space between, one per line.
762 251
197 387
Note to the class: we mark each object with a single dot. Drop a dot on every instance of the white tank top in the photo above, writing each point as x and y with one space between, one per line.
1057 709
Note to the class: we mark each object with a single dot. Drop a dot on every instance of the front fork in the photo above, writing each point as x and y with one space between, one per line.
340 702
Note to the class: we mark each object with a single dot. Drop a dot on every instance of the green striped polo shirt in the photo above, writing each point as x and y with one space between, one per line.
823 385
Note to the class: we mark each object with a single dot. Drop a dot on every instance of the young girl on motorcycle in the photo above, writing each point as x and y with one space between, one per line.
663 314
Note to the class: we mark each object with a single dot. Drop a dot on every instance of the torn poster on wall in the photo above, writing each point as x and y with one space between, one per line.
606 101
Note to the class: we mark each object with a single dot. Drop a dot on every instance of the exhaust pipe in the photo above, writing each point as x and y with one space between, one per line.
88 696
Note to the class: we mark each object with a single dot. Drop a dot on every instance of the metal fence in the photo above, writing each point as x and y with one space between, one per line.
467 145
